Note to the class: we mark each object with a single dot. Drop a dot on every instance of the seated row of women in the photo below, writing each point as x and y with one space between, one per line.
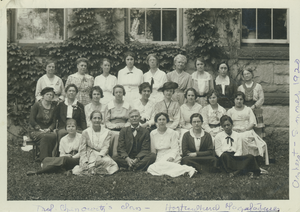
45 114
131 77
158 153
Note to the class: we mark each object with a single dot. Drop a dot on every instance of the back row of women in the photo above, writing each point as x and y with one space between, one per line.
177 94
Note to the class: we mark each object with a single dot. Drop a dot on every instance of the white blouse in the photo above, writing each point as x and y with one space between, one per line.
221 144
159 78
106 84
66 145
186 113
146 111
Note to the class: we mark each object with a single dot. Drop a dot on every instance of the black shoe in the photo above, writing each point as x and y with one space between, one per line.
29 173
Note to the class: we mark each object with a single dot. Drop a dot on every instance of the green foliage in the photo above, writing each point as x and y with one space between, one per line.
94 37
203 32
23 71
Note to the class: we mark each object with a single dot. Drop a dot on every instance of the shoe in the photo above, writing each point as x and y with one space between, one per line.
263 171
250 175
29 173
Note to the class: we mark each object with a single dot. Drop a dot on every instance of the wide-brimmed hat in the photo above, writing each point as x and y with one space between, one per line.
46 90
168 85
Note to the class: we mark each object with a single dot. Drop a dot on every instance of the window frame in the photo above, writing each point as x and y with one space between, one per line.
271 41
34 41
179 23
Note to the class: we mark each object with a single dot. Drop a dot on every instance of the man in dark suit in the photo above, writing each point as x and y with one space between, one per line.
134 145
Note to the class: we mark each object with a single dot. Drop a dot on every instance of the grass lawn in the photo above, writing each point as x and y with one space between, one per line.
125 185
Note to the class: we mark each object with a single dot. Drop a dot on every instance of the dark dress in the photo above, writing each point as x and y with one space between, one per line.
43 118
61 117
227 100
205 159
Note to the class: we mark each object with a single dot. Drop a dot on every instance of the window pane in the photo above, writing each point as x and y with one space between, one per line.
137 23
264 23
32 24
279 24
153 25
169 26
56 24
249 23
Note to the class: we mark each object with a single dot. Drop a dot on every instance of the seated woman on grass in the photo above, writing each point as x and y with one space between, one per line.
197 147
228 145
94 158
69 152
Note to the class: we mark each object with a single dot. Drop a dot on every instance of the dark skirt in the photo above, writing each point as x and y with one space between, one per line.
244 164
201 164
46 143
66 163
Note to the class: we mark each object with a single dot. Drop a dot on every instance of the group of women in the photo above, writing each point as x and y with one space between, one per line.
92 111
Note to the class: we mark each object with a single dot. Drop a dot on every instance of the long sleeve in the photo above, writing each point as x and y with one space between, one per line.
174 144
33 114
105 146
108 123
62 150
38 90
239 148
121 144
205 116
62 88
152 145
261 96
252 120
218 145
189 83
184 145
176 119
206 140
82 148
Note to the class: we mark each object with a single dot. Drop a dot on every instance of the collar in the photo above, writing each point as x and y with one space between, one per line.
111 105
219 81
73 104
193 135
136 127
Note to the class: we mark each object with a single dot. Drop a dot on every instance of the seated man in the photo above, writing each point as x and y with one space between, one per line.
197 147
134 145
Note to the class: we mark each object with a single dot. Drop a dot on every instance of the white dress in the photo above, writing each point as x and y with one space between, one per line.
94 152
131 81
106 84
56 83
252 143
201 85
212 117
159 78
166 146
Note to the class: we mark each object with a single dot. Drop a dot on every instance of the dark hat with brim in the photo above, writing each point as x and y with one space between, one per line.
168 85
46 90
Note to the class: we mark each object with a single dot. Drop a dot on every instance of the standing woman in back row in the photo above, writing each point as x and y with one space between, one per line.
106 82
182 78
155 77
202 81
130 77
225 86
82 80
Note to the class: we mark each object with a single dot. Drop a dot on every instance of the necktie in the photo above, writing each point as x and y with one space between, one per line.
152 82
134 131
130 72
229 139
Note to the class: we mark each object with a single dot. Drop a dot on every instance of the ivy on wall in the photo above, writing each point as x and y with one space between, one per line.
96 40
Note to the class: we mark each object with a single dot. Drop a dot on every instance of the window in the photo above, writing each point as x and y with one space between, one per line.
154 25
265 26
40 25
